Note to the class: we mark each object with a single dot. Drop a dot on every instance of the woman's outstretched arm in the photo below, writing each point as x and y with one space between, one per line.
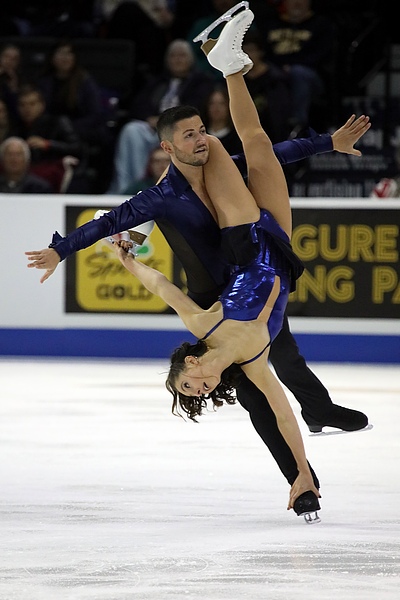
158 284
261 375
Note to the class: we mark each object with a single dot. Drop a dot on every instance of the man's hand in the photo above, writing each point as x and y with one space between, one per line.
345 137
43 259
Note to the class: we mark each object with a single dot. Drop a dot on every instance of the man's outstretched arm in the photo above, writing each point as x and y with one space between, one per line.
144 207
342 140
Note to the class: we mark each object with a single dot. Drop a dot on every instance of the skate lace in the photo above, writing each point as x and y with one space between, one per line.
238 41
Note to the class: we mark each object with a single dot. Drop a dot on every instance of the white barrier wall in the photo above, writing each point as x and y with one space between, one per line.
31 220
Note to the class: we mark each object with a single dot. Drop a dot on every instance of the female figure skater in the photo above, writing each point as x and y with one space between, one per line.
255 223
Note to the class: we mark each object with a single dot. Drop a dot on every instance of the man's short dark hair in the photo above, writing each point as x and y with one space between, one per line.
168 119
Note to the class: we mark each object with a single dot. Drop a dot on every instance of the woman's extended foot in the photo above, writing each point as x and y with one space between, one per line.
226 54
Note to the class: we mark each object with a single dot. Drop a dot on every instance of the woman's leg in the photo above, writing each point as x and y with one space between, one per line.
232 200
266 180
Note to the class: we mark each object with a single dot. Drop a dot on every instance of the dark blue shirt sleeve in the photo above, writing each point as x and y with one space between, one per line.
291 151
145 206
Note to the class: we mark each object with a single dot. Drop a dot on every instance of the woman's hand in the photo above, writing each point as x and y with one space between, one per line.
303 483
121 248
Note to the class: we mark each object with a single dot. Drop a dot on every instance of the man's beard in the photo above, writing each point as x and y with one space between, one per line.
195 160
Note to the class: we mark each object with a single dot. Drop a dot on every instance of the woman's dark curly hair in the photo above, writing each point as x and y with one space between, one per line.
193 406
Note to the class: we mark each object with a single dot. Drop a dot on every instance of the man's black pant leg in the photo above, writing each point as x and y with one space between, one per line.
264 422
292 370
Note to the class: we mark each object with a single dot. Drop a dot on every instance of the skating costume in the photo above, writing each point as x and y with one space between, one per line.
245 362
198 248
258 252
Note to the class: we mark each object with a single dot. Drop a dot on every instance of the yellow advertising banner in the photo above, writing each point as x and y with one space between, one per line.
351 259
104 285
352 263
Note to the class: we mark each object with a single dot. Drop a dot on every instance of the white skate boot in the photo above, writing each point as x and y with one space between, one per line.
225 53
136 235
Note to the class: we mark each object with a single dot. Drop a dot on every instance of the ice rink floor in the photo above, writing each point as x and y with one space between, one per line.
107 496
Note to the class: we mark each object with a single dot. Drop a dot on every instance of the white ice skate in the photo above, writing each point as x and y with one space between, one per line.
136 235
225 53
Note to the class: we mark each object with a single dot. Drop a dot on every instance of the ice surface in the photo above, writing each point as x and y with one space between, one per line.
107 496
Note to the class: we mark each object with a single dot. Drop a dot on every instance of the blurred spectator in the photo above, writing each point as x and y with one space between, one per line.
302 43
268 9
180 83
218 122
15 175
146 22
160 12
156 166
269 88
8 20
60 18
186 13
70 90
50 139
10 75
5 121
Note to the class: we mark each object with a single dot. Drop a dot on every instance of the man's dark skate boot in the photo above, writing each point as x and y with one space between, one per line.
306 506
346 419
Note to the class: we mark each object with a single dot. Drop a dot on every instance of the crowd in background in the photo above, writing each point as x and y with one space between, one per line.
61 131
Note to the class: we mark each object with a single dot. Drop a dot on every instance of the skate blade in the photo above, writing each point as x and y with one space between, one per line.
340 431
203 36
311 517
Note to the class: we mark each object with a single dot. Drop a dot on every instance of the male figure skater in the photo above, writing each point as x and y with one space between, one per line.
186 218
